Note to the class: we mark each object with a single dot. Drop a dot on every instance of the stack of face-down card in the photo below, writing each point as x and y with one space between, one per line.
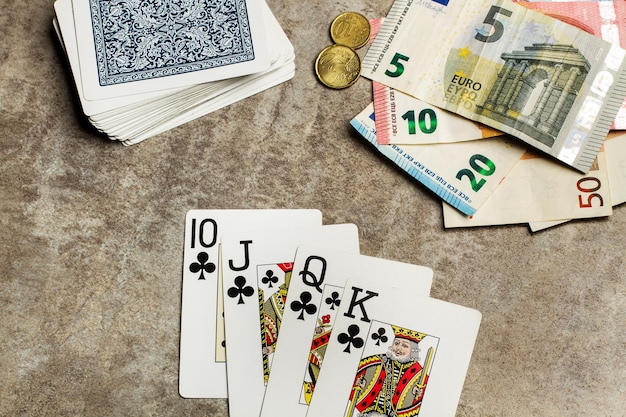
284 317
141 68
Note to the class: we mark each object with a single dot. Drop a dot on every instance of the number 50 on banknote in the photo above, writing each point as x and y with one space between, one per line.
543 81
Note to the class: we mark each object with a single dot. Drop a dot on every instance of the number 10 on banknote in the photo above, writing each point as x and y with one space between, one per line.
543 81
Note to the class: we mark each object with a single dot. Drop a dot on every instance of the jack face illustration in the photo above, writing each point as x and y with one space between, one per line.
273 280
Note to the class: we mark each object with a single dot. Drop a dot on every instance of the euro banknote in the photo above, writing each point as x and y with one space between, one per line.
463 174
404 120
548 83
539 226
615 155
539 190
604 19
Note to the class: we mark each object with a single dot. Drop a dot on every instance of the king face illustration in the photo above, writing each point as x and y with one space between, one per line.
391 383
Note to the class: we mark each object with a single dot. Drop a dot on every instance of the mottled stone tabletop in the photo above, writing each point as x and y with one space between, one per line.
91 240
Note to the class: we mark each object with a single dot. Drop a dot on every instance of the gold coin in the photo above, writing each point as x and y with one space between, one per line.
350 29
338 66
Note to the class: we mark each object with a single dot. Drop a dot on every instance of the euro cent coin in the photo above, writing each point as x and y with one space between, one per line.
338 66
350 29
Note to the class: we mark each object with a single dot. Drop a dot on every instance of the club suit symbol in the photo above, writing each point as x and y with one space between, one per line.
350 338
203 265
240 289
304 305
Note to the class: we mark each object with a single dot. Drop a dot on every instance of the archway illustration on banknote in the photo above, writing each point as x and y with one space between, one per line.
536 88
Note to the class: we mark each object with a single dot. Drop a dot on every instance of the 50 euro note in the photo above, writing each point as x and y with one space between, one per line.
539 190
615 155
403 119
463 174
548 83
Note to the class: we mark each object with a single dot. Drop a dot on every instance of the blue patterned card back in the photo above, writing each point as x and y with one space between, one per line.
145 39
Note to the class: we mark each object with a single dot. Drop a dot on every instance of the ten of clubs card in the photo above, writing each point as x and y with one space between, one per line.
257 273
317 284
392 353
202 372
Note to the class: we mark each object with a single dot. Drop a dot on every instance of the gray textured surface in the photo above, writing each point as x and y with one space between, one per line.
92 232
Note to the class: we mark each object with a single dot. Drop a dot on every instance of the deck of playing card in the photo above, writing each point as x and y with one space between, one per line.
141 68
276 294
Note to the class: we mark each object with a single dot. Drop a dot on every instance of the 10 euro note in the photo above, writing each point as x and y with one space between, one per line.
463 174
548 83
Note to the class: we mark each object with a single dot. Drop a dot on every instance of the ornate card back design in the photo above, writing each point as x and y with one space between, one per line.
144 39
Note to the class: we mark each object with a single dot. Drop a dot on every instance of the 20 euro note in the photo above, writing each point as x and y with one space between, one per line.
403 119
539 79
463 174
538 189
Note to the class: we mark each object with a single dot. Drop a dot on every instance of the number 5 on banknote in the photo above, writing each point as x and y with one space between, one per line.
548 83
396 63
498 27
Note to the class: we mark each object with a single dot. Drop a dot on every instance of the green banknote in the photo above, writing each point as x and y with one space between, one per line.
543 81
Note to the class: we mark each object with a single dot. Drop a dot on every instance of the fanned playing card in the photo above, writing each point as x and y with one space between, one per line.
317 284
202 371
257 273
395 354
